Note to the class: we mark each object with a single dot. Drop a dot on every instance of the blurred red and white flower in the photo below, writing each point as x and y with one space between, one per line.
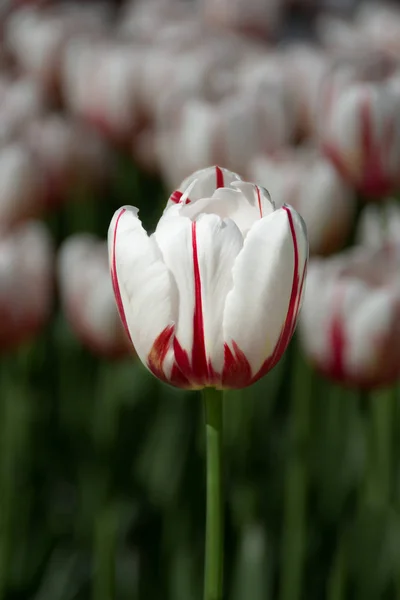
100 84
87 296
360 124
379 225
36 38
22 184
305 67
350 320
21 100
69 155
212 297
306 180
193 134
254 17
26 283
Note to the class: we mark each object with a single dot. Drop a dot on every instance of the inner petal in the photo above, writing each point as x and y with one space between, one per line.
244 203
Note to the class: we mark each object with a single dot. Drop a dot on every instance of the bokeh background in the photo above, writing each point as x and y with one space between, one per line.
102 471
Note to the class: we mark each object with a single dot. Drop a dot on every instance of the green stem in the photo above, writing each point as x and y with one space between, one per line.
382 405
296 484
213 574
104 555
337 577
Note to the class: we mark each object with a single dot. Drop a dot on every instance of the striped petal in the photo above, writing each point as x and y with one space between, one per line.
262 307
200 255
142 288
202 184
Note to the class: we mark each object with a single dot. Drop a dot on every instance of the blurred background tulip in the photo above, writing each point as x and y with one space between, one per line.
350 318
87 295
26 283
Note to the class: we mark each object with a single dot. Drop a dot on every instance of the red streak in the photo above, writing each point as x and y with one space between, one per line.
176 196
294 303
219 177
114 279
199 358
259 201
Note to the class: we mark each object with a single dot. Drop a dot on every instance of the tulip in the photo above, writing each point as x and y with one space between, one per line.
21 100
379 226
360 127
36 38
308 181
100 83
255 17
22 185
68 154
26 289
87 296
350 321
212 297
196 133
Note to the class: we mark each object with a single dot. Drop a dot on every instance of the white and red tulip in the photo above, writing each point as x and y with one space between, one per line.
350 320
360 125
212 297
307 180
26 283
379 225
87 296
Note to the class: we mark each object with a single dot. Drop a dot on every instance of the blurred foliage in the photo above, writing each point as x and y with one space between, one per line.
102 471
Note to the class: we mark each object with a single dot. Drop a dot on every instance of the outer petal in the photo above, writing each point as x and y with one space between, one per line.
202 184
261 310
142 288
200 255
244 203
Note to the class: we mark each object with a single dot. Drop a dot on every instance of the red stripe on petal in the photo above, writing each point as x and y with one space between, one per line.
199 358
219 176
159 351
237 370
337 338
176 196
259 201
294 303
114 278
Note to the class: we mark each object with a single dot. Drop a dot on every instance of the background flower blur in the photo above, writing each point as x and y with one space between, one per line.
108 103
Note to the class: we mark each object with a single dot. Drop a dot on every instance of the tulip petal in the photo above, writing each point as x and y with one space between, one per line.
244 203
205 181
268 278
143 290
200 255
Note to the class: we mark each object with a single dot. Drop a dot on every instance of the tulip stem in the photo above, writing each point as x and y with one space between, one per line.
214 554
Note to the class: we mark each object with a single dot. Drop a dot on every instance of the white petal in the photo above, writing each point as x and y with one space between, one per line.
205 181
200 256
218 242
263 274
143 281
244 203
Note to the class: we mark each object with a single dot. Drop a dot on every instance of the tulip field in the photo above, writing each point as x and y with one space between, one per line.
199 300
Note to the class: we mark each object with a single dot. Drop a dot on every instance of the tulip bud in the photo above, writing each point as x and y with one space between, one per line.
69 155
255 17
212 297
307 181
379 226
100 82
87 296
360 126
21 100
26 290
36 38
22 185
227 133
350 320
